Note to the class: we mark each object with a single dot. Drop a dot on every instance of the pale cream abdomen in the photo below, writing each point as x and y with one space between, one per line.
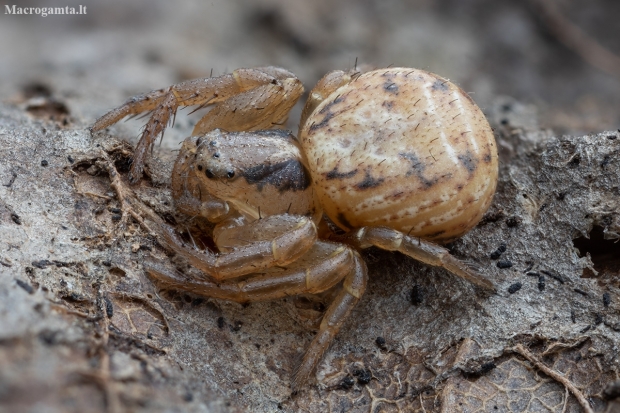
402 148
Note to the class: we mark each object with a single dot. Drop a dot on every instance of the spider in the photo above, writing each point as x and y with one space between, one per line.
397 158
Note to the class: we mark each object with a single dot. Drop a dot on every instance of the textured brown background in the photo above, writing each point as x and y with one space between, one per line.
82 329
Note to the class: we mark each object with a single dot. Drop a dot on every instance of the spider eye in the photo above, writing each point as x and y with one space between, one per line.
198 141
209 174
199 167
230 174
216 155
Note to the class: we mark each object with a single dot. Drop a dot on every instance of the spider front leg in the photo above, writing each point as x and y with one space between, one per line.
244 99
277 240
418 248
322 267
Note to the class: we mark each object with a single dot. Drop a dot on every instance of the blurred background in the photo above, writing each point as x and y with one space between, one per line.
560 56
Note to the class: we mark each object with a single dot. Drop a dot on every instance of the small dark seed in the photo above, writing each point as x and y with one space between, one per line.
380 341
109 307
496 254
606 300
578 291
612 137
541 283
556 277
42 264
486 367
363 376
504 264
598 318
513 222
16 218
612 391
220 322
70 159
347 383
49 337
44 162
417 295
25 286
514 288
237 326
533 274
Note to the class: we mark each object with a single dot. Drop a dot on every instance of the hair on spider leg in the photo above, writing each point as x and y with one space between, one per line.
172 121
189 233
203 105
139 116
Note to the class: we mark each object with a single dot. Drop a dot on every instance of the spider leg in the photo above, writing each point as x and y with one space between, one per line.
207 91
324 265
282 239
132 107
420 249
321 268
155 127
354 286
325 87
264 107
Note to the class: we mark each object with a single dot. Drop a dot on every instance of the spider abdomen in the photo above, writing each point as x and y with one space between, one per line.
402 148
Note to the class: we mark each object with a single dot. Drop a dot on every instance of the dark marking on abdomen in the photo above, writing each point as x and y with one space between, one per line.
335 174
417 169
322 123
369 181
285 176
328 106
435 234
343 222
441 85
390 87
469 161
